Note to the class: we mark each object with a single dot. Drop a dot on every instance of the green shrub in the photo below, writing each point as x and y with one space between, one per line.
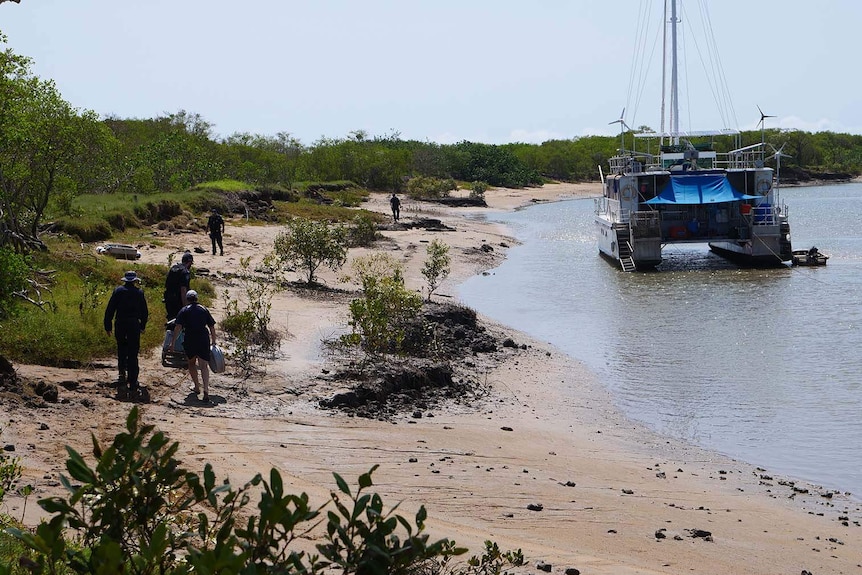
247 317
428 188
308 244
13 277
436 266
477 190
380 318
362 231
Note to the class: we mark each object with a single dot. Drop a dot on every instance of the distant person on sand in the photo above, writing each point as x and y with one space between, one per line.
199 327
215 225
129 306
395 204
177 284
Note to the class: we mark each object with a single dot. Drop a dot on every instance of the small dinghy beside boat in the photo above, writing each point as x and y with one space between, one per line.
809 257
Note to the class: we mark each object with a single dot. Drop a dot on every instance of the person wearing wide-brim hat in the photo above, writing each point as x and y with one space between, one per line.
127 311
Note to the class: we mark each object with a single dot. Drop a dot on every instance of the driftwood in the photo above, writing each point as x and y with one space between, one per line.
21 243
37 287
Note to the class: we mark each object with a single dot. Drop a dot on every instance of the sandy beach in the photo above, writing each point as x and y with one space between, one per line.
606 495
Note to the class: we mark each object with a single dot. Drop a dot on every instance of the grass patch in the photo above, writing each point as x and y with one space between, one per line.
69 329
312 210
350 198
223 186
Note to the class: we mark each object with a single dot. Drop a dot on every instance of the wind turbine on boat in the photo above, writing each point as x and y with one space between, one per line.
762 123
623 128
778 154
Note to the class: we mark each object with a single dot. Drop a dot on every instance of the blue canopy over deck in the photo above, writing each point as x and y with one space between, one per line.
697 189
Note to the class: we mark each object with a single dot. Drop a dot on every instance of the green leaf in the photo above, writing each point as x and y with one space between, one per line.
342 485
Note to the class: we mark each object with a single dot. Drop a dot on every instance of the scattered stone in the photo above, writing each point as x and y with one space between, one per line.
413 460
69 385
568 484
43 427
8 447
509 342
506 428
542 566
417 415
573 571
661 475
700 534
47 391
628 492
535 506
660 533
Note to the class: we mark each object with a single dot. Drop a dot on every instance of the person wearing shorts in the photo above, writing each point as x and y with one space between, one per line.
200 335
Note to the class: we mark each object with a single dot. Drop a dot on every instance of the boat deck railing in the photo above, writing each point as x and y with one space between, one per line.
632 162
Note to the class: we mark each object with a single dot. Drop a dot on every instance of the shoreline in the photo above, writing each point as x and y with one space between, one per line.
546 434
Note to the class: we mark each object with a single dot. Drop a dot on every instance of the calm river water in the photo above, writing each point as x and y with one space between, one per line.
762 365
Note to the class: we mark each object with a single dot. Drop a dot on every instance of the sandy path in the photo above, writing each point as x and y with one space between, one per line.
606 485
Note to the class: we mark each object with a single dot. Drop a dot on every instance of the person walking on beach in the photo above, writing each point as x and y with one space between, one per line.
177 284
200 335
215 225
395 204
127 311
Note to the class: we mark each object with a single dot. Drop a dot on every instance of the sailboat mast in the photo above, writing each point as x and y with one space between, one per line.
674 97
663 70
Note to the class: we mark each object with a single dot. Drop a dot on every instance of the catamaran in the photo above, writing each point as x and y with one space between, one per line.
688 192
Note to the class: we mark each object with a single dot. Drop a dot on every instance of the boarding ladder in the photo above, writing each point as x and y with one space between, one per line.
627 262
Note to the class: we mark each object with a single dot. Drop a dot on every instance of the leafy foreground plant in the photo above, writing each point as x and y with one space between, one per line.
138 511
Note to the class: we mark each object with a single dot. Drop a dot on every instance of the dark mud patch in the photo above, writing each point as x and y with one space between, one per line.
15 390
443 347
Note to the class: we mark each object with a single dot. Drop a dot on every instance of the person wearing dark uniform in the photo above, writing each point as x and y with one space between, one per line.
127 311
395 204
177 284
215 225
199 327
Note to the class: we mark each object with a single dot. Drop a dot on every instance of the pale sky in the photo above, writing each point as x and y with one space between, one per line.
492 71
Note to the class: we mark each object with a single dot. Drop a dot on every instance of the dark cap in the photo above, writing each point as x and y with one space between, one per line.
188 257
131 277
